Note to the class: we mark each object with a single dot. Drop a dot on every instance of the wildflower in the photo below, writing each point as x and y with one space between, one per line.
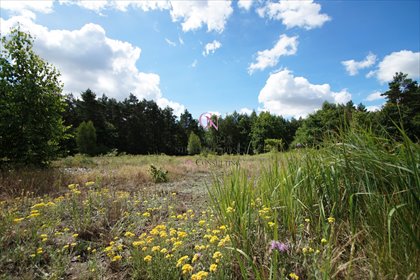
217 256
213 267
66 246
324 241
187 268
181 261
90 183
307 220
39 205
213 239
304 250
182 234
163 234
18 220
201 222
50 203
138 243
164 251
311 250
196 257
94 251
223 227
277 245
32 255
129 234
230 210
331 220
75 235
155 248
146 214
148 258
116 258
73 244
42 236
177 244
199 275
293 276
271 224
39 251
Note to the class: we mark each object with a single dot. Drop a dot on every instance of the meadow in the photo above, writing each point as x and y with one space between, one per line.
347 210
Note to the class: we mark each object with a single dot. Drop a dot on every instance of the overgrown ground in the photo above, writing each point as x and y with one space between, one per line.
346 211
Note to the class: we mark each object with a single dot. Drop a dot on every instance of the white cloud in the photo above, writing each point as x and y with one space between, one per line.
305 14
194 64
373 108
178 108
269 58
19 7
195 14
87 58
246 111
287 95
353 67
211 47
169 42
404 61
245 4
180 40
374 96
192 14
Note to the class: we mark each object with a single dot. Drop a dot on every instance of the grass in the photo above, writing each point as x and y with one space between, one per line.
346 211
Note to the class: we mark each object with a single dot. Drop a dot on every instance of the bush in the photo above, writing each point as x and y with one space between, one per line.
159 175
194 144
86 138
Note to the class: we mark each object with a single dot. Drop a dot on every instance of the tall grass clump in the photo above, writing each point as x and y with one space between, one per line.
348 210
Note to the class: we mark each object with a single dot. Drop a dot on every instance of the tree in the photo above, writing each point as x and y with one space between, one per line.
194 144
402 107
86 138
31 103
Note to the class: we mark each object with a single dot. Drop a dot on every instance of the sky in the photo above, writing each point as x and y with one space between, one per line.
285 57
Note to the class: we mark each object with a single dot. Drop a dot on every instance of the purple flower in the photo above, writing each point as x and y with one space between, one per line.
280 246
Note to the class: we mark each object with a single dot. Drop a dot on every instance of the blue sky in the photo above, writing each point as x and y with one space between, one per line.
285 57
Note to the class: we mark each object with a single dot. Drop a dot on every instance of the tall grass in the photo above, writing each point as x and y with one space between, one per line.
349 210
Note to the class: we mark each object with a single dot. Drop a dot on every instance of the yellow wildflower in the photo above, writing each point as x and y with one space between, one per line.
323 241
18 220
181 261
213 267
148 258
331 220
116 258
187 268
293 276
129 234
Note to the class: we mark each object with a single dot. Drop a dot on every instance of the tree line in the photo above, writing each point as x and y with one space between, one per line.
38 123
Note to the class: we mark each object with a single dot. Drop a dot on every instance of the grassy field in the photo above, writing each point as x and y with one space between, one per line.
346 211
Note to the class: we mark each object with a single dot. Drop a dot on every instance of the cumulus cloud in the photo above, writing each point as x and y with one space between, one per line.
373 108
290 96
195 14
404 61
374 96
211 47
178 108
87 58
19 7
304 14
192 14
245 110
353 67
245 4
268 58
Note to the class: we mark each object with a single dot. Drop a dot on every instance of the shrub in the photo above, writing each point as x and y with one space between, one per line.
86 138
159 175
194 144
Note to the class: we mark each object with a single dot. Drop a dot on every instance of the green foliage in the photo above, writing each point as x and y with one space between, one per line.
194 144
158 174
86 138
361 196
402 107
273 145
31 125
